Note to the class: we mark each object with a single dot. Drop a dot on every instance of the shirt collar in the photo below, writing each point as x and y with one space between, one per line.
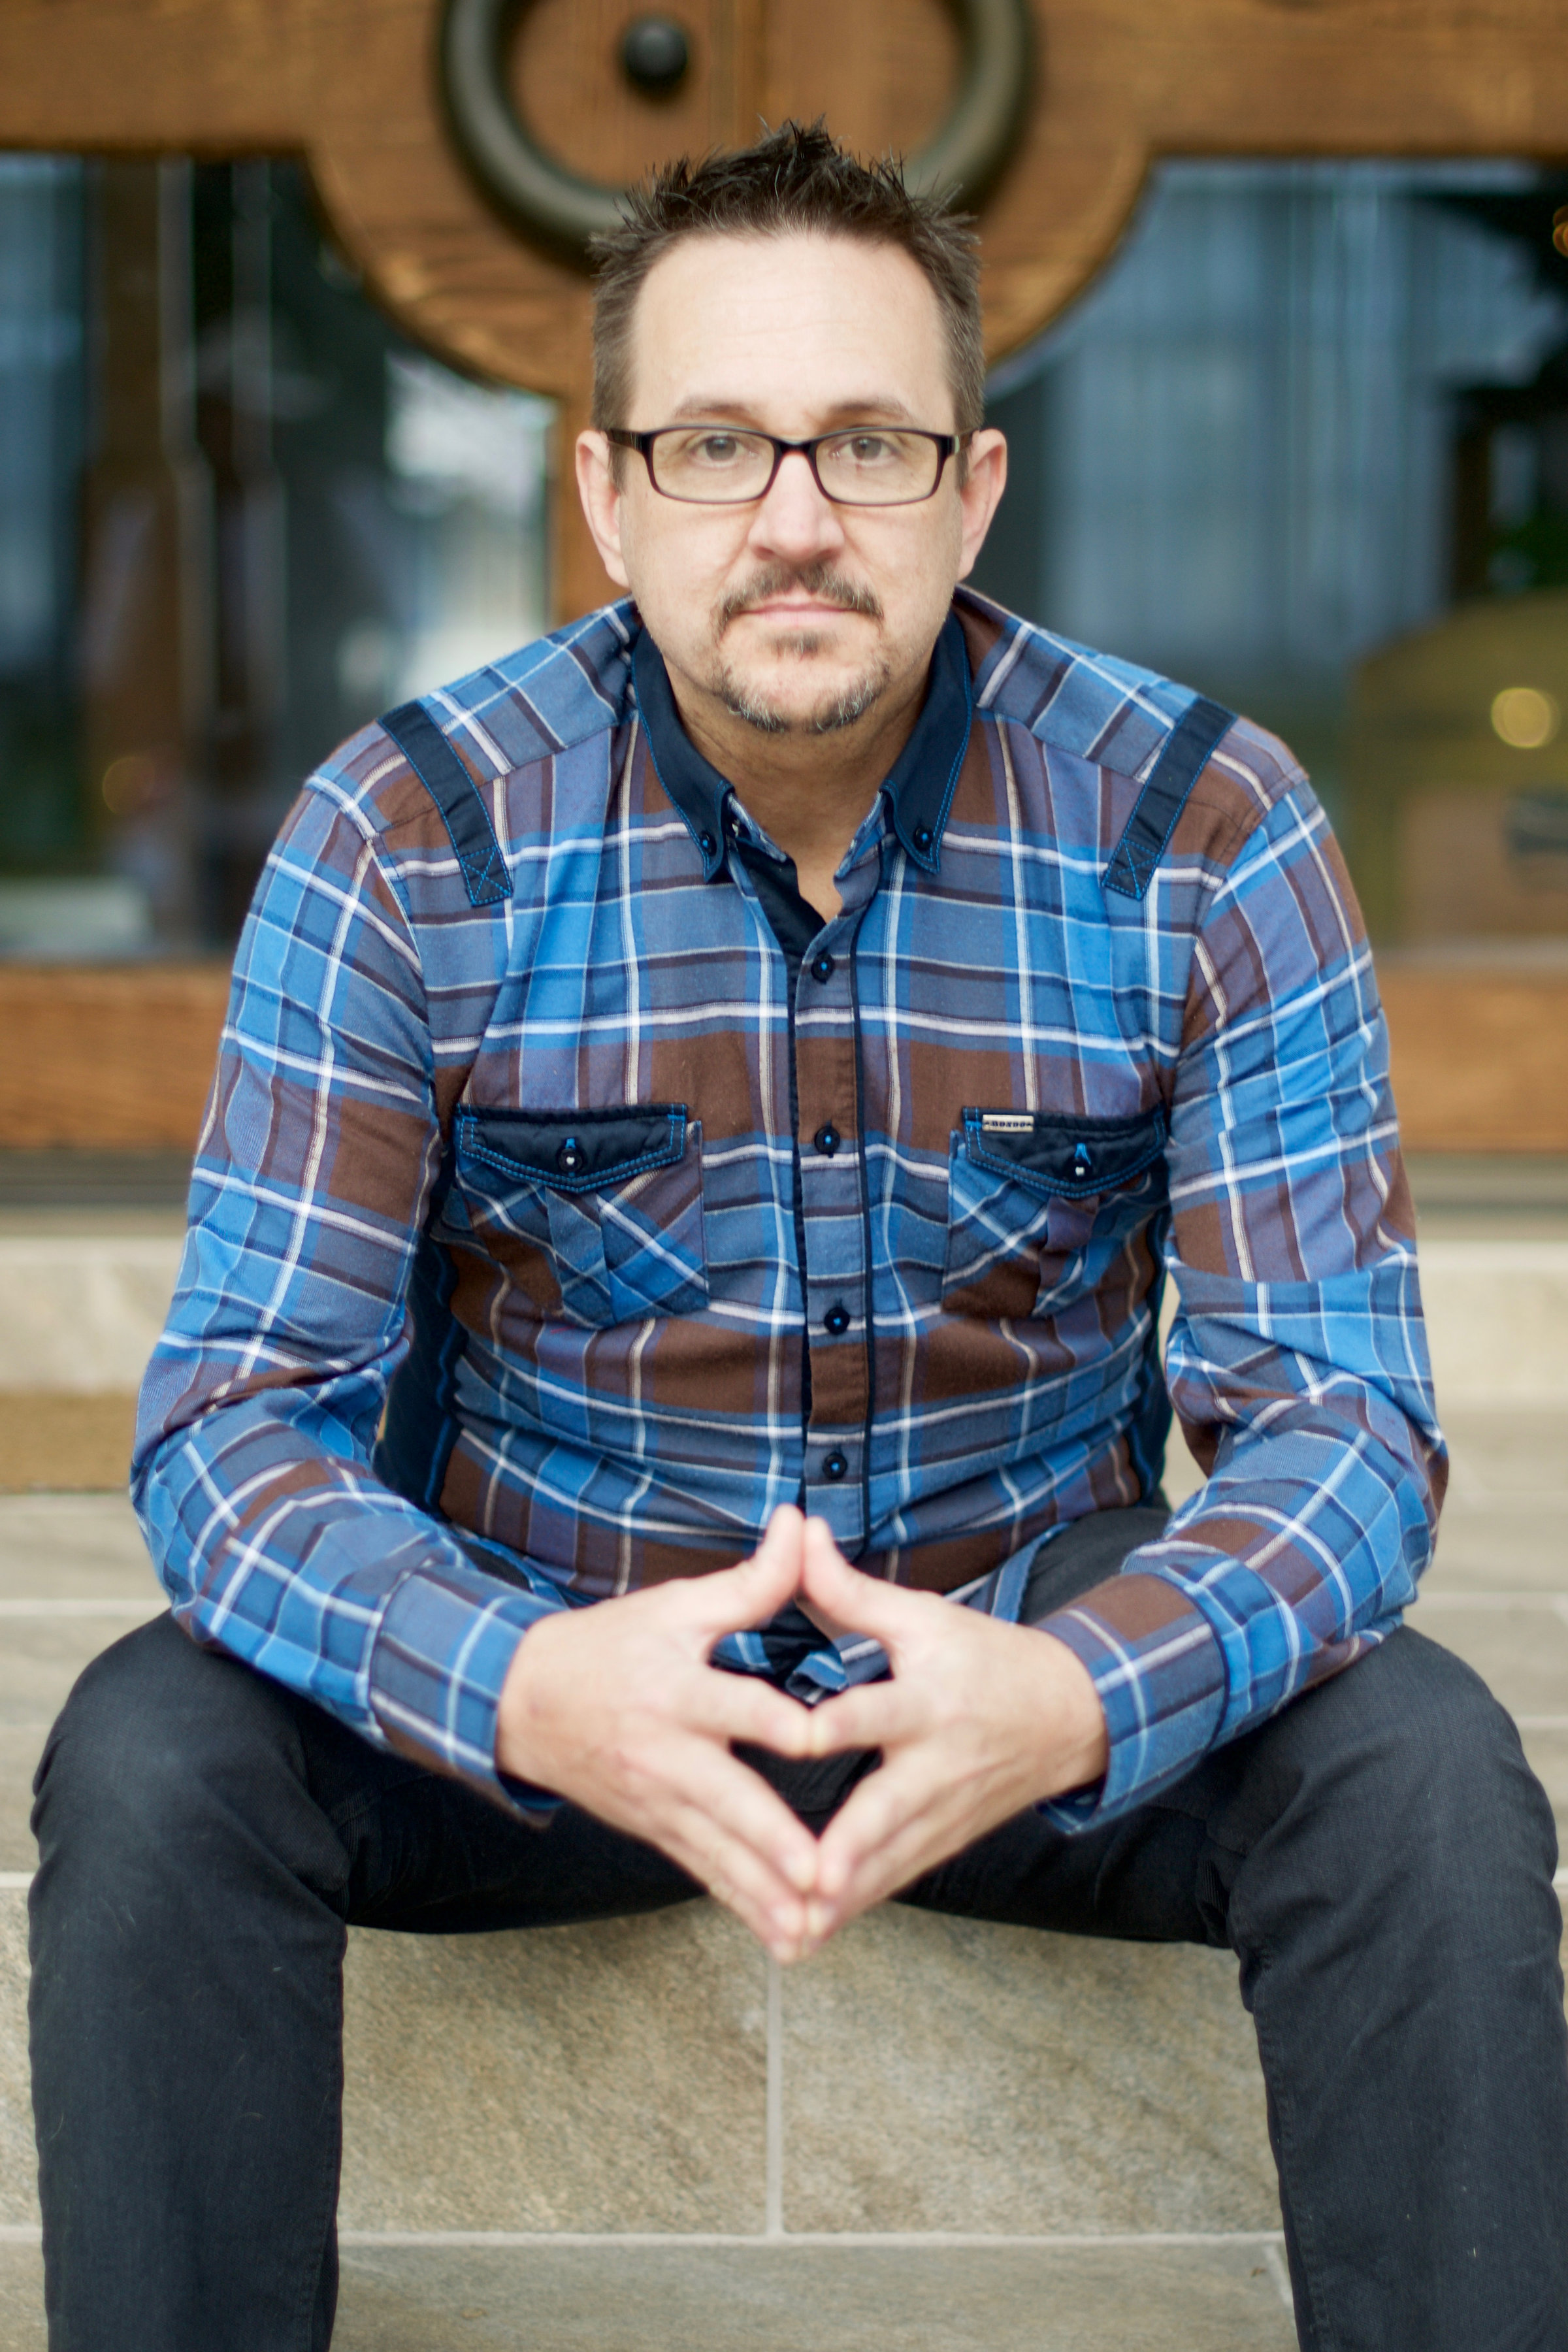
917 788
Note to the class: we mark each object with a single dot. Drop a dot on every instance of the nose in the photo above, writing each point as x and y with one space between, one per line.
795 519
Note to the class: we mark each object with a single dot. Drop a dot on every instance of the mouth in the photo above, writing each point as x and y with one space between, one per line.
793 608
799 599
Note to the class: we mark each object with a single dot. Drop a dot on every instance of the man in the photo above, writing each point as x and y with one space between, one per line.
754 1054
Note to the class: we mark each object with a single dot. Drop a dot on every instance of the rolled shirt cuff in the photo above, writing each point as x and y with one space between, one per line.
1159 1670
449 1634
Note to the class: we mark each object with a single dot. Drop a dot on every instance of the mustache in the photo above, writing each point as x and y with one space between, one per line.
820 579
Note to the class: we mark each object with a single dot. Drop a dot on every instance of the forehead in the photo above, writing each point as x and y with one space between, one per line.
799 323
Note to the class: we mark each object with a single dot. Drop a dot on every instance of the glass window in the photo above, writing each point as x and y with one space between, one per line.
1305 446
239 514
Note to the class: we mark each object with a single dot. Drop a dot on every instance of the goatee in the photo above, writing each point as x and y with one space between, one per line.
835 710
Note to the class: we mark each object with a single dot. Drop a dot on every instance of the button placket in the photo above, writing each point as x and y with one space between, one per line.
835 1274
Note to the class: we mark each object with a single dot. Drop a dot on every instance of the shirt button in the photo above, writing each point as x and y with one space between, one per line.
923 838
706 844
835 1465
569 1158
837 1319
827 1138
823 968
1082 1165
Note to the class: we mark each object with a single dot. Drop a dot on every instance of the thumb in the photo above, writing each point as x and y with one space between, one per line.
758 1589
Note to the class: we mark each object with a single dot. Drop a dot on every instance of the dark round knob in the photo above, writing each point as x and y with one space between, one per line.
822 969
835 1465
923 837
827 1140
654 54
837 1319
706 844
569 1158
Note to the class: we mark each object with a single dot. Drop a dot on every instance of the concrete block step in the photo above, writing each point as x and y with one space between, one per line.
525 2114
915 2296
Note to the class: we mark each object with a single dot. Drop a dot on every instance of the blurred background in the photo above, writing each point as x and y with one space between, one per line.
239 515
1303 444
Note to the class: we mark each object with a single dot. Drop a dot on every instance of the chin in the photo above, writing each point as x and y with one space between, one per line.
791 703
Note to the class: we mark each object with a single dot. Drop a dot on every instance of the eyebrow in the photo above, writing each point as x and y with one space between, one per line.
879 408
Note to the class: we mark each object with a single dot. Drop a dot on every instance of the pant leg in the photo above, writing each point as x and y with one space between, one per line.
204 1840
1380 1857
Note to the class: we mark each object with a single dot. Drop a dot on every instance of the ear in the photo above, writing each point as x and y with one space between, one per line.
601 498
981 492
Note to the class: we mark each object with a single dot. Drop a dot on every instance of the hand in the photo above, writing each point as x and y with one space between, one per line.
617 1708
980 1720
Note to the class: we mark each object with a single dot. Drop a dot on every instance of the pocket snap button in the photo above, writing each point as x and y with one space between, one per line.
1082 1164
569 1158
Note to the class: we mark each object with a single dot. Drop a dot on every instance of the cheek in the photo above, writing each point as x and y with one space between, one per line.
672 574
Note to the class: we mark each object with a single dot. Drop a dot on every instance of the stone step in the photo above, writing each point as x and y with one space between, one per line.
798 2148
680 2296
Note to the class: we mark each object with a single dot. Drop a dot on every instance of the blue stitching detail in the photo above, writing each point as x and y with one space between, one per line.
456 796
1138 858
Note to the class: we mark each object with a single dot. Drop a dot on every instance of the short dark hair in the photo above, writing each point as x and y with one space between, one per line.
794 179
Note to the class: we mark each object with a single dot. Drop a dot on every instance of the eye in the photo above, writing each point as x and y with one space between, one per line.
867 448
714 449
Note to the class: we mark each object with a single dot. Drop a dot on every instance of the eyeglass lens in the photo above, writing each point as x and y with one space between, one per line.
863 469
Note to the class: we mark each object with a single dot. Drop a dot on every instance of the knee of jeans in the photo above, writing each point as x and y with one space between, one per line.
153 1733
1442 1783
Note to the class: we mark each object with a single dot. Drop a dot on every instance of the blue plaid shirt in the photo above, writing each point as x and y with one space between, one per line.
569 1195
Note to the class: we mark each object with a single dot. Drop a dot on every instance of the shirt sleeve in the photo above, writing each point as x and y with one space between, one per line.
1298 1362
252 1472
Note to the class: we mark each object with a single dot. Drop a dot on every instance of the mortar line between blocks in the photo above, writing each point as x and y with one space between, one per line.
1280 2276
772 2122
855 2241
29 2234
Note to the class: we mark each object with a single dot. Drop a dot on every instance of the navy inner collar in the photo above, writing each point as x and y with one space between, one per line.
917 788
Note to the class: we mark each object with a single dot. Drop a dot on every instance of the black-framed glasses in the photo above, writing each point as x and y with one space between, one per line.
729 465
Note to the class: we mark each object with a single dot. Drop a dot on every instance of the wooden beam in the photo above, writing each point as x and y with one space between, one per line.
1479 1058
108 1057
119 1057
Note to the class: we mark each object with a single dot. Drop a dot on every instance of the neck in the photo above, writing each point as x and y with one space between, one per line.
808 792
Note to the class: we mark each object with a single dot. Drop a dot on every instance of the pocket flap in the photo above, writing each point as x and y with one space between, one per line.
575 1150
1061 1155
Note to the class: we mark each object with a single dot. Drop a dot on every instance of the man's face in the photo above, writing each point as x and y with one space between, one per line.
790 612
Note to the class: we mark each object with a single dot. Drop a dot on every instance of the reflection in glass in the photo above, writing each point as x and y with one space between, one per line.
239 514
1305 446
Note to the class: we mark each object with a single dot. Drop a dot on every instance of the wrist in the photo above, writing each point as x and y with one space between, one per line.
524 1748
1082 1742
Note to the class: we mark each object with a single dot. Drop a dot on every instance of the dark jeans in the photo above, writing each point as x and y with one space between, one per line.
1379 1858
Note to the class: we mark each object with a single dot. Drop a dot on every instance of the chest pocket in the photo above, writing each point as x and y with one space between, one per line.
1039 1204
611 1199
